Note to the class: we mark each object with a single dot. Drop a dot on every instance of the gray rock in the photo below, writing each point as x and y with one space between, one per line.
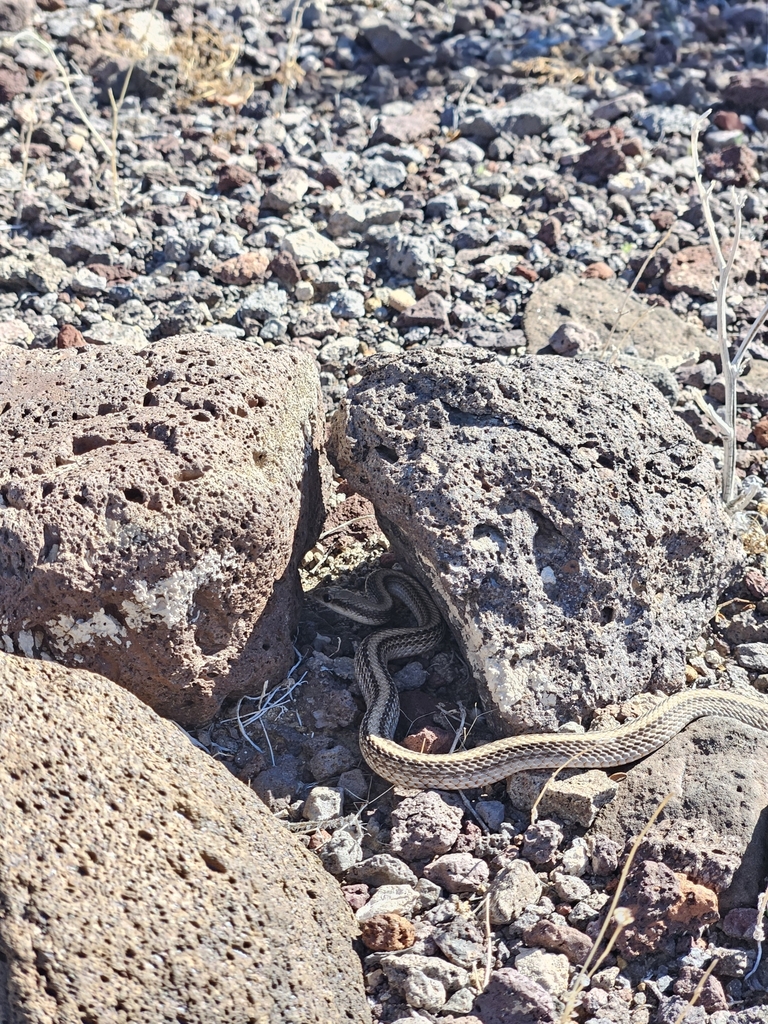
388 899
341 852
550 970
411 256
666 120
424 982
570 888
474 235
492 812
715 770
42 272
511 998
530 114
650 331
574 800
347 304
557 561
541 841
73 245
330 763
265 301
391 41
122 828
385 173
85 282
571 337
309 246
463 151
425 825
288 190
441 207
109 332
619 106
461 941
323 803
511 891
753 657
382 869
458 872
359 217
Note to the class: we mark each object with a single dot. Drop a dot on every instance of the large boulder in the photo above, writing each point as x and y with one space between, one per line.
567 522
154 507
139 881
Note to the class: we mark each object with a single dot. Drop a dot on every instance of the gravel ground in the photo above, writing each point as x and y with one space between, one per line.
358 180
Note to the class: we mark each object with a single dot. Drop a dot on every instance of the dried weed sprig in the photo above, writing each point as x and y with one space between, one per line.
290 74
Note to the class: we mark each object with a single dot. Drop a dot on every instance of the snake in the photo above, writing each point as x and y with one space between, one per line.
502 758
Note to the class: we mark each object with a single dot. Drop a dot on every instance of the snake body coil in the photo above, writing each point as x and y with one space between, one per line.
494 761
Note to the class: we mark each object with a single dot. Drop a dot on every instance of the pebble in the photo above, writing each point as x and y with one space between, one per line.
511 891
458 872
425 825
382 869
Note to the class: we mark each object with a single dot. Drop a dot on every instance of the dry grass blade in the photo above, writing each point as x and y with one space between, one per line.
586 972
696 992
633 286
289 73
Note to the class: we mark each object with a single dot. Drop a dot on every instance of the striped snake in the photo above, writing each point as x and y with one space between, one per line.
499 759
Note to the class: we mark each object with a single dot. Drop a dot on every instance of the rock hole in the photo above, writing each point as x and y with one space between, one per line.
81 499
147 836
213 863
83 445
201 417
150 399
387 454
134 494
607 615
265 646
606 461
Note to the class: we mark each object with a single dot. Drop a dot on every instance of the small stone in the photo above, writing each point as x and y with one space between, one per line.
425 825
458 872
287 191
85 282
386 932
577 800
347 304
242 269
429 740
711 996
576 858
740 923
341 852
410 255
604 854
599 270
353 783
492 812
16 332
233 177
761 432
323 803
569 887
109 332
753 657
541 841
398 899
461 941
423 981
356 896
429 311
330 763
283 267
264 302
559 937
571 337
382 869
513 889
400 299
512 998
70 337
550 970
309 246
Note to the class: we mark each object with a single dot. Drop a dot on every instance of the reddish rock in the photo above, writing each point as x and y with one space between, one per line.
113 273
430 311
632 147
268 156
740 923
429 740
248 217
242 269
550 232
755 582
285 269
387 932
604 157
527 271
70 337
512 998
425 825
13 82
662 220
559 937
692 270
728 121
662 904
157 505
233 176
734 166
599 270
748 90
711 997
405 129
356 895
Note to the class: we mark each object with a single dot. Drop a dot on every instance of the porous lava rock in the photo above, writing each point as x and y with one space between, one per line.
139 881
155 506
568 524
716 827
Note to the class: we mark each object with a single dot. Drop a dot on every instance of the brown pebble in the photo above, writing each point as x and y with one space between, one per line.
387 932
233 176
599 270
728 121
70 337
429 740
761 432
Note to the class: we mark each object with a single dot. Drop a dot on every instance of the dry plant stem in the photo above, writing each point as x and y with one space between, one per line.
731 367
488 946
696 992
583 976
759 933
291 72
63 76
634 285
